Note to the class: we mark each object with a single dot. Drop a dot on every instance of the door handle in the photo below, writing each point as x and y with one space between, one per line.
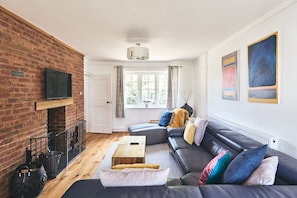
108 102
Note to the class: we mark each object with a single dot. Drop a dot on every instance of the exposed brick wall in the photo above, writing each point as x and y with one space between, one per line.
56 120
26 48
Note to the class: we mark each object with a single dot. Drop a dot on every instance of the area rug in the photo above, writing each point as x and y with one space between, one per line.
155 154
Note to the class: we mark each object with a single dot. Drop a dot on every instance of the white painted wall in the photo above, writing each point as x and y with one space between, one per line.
135 116
200 86
278 120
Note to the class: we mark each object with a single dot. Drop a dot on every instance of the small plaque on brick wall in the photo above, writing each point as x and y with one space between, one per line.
18 73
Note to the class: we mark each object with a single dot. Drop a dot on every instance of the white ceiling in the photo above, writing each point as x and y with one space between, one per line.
171 29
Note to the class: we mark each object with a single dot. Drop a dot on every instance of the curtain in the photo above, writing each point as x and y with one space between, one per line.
120 93
172 86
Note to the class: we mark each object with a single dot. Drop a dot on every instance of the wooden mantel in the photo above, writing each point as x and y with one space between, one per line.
49 104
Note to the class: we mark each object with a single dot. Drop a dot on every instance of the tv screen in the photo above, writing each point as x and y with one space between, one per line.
58 85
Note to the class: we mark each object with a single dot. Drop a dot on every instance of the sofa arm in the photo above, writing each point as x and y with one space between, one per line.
176 132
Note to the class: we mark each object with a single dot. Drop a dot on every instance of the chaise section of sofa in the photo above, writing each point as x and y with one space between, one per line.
155 134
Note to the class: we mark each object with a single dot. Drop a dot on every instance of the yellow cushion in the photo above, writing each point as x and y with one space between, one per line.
136 165
189 132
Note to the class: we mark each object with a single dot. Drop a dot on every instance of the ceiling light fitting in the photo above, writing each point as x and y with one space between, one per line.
137 53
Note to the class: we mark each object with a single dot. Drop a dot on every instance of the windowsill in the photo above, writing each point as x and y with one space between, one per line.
142 108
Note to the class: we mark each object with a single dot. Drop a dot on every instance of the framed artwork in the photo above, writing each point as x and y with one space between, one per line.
263 70
230 77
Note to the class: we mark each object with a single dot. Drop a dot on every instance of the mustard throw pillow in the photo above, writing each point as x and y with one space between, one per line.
137 165
189 133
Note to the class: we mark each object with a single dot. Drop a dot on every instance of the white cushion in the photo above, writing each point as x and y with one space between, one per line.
134 177
265 173
200 129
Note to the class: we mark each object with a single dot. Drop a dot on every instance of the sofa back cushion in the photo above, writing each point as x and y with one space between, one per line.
215 146
231 136
286 170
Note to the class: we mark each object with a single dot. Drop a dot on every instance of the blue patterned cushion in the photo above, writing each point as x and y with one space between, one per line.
243 165
165 118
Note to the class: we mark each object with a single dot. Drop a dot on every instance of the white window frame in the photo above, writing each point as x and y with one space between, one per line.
141 72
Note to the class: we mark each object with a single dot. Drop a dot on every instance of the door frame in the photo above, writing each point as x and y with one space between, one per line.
107 130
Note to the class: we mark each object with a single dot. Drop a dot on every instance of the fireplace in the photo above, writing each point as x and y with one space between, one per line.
71 141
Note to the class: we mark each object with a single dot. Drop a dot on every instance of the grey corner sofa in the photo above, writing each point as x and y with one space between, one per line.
192 160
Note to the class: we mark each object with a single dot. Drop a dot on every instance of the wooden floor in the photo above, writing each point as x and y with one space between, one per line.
84 166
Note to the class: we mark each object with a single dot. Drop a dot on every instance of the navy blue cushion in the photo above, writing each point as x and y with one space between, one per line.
165 118
243 165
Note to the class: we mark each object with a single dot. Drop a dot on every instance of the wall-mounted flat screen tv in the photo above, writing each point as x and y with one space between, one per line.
58 85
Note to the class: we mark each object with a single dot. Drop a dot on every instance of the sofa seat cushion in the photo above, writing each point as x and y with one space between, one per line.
190 179
179 143
193 160
174 182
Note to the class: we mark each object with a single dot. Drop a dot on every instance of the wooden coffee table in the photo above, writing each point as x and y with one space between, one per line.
129 153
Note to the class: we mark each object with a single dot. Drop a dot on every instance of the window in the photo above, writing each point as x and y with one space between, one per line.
145 89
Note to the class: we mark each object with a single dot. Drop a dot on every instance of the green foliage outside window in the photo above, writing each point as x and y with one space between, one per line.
145 88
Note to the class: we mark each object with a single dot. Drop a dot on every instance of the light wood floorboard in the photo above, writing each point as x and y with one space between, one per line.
84 166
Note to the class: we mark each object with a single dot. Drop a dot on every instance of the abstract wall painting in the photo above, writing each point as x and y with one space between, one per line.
230 77
263 70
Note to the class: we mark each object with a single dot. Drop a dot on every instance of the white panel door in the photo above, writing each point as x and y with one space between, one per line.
100 104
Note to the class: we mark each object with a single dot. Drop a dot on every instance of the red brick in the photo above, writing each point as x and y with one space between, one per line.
25 48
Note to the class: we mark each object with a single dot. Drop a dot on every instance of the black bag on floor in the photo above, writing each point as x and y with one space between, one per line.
28 180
